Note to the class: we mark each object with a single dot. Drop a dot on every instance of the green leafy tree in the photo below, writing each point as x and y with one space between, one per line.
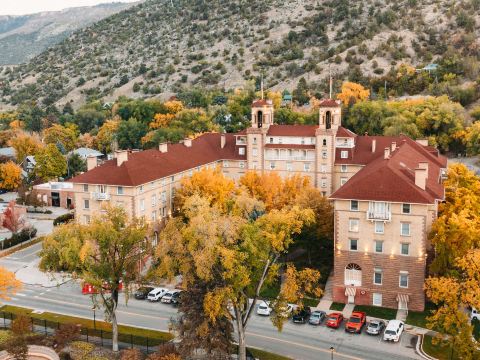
50 163
75 165
130 134
105 254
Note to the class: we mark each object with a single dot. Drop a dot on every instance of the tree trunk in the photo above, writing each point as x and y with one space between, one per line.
242 346
114 332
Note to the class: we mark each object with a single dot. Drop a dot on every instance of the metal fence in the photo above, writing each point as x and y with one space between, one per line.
98 337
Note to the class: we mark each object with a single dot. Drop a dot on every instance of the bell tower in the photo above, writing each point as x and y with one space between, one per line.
330 119
262 114
262 119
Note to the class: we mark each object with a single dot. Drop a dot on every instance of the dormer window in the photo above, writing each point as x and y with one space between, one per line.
271 140
344 154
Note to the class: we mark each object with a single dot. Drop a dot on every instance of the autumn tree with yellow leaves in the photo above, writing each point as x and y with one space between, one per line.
25 145
232 243
352 93
61 134
105 253
9 285
10 176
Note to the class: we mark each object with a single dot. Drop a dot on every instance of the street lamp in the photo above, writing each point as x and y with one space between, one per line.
94 319
332 350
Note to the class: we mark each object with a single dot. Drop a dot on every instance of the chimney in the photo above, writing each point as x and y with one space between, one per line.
423 142
91 162
374 145
187 142
424 165
421 178
163 147
121 156
394 146
386 153
223 140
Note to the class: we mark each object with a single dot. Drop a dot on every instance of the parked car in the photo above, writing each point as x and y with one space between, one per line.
302 316
264 309
167 298
474 314
286 310
334 320
375 327
393 331
356 322
156 294
317 317
176 298
142 292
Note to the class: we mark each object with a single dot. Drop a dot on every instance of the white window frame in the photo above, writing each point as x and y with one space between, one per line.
343 168
306 167
242 165
408 249
272 165
86 204
141 204
241 151
377 230
375 272
225 164
351 205
353 225
154 200
401 228
344 154
324 183
378 298
375 242
324 154
85 187
119 190
254 152
350 242
343 181
403 273
140 189
409 208
289 166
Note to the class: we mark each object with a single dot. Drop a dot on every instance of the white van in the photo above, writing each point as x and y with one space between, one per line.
474 314
156 294
393 331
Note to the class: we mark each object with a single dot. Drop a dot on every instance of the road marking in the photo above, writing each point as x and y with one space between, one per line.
304 346
20 294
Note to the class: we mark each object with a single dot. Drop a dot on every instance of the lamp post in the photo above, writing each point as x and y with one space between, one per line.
332 350
94 318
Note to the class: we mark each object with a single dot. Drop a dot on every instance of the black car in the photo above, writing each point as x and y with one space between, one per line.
141 293
176 298
302 316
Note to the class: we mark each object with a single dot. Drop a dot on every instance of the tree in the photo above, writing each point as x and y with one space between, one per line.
106 138
12 219
60 134
75 165
25 145
452 293
51 164
10 175
130 134
352 93
65 334
234 247
472 139
301 92
9 285
105 254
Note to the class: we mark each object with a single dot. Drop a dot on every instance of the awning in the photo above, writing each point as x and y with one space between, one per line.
350 291
403 298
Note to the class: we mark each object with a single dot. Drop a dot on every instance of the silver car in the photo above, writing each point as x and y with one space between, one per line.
375 327
317 317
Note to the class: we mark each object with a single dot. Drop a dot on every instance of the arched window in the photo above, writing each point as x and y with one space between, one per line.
353 275
259 119
324 142
328 120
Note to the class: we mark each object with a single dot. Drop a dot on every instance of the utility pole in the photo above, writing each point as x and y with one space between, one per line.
330 81
261 86
385 89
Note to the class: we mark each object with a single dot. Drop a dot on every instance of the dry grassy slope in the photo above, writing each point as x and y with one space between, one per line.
224 42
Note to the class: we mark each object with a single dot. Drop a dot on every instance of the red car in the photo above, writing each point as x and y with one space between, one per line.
334 320
356 322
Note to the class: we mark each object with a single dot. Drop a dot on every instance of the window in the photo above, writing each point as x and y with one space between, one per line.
280 140
142 204
343 181
324 154
303 141
241 151
324 142
120 190
405 229
289 166
254 152
377 299
378 246
254 140
140 189
86 219
86 204
154 200
172 179
323 168
324 193
164 181
354 205
353 225
85 187
271 140
306 167
406 208
404 248
324 183
154 215
225 163
377 276
164 197
379 227
403 279
343 168
242 165
353 244
344 154
272 165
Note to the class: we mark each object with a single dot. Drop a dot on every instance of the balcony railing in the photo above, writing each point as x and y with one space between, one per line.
385 216
101 196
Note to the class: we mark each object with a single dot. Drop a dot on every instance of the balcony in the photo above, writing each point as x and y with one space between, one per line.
379 211
384 216
101 196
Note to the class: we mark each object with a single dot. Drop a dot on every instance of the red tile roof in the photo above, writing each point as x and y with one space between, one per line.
393 179
289 146
329 103
262 102
149 165
292 130
345 133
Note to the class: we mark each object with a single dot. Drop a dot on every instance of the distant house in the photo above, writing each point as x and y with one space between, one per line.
287 98
84 153
8 152
58 194
29 163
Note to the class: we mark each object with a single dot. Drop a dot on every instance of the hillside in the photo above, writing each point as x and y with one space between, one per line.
154 48
23 37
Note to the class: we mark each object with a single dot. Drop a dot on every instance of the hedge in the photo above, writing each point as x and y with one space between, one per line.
20 237
62 219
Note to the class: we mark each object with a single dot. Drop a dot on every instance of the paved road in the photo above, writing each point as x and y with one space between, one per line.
297 341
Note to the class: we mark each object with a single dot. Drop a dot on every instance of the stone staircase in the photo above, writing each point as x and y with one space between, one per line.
327 297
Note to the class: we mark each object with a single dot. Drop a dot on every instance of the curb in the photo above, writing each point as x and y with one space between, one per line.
419 349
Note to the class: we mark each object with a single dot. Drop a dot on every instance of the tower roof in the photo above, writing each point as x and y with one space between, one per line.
262 102
329 103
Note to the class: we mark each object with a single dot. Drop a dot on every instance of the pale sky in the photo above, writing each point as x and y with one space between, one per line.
22 7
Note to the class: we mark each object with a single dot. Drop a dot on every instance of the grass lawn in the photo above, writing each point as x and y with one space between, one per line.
437 351
265 355
337 306
418 318
126 333
377 311
270 291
